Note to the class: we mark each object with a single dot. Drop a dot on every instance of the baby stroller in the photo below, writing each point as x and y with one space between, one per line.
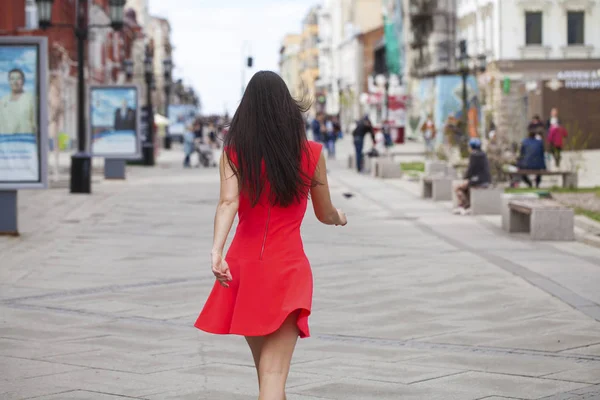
206 156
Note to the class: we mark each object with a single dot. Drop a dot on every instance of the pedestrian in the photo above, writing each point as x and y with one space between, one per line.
315 126
363 127
477 176
338 127
537 126
330 137
429 131
263 287
556 138
188 145
553 120
532 158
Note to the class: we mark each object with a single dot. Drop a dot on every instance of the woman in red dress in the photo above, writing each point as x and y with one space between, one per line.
264 284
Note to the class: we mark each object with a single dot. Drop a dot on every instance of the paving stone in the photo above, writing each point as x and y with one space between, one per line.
99 297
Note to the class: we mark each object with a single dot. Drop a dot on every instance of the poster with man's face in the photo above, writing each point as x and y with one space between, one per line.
180 116
23 134
114 121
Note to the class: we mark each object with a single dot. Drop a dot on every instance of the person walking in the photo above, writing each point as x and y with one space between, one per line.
330 137
556 138
363 127
532 158
316 127
263 287
537 126
428 129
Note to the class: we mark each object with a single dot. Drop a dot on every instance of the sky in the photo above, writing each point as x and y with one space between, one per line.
209 35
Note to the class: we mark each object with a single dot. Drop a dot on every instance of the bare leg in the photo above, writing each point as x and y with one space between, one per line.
275 359
256 344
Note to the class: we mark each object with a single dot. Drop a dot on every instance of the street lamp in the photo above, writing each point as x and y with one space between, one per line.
128 68
464 65
81 162
116 13
248 62
168 69
148 145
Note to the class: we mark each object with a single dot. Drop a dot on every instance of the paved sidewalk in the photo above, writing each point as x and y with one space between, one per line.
99 294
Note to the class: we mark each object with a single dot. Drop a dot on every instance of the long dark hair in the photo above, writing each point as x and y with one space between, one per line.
268 127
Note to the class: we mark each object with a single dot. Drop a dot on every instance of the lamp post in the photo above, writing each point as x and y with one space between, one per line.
81 162
148 145
248 62
128 68
168 68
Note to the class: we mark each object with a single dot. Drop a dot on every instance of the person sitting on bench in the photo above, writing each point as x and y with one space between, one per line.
532 158
477 176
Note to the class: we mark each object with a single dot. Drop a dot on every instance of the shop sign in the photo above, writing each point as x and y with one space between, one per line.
580 79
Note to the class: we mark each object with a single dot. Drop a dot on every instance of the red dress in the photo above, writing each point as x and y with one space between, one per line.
271 274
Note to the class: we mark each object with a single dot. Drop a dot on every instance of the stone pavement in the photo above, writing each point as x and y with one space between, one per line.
99 294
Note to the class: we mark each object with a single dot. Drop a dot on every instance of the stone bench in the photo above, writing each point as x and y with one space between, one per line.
569 178
542 219
384 167
507 198
486 201
437 188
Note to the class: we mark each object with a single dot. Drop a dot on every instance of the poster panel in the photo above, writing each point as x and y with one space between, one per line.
180 116
114 121
23 113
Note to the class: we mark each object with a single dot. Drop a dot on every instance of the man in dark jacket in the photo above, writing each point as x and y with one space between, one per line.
532 158
363 127
477 176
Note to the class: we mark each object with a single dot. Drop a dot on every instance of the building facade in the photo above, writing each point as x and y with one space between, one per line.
159 31
289 63
542 54
309 56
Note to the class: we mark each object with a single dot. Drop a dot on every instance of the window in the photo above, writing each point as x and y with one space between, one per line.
31 15
575 27
533 28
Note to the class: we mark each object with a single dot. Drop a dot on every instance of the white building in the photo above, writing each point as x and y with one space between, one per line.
531 29
533 47
327 84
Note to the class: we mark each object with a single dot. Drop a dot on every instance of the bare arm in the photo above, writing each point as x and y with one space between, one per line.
227 207
321 197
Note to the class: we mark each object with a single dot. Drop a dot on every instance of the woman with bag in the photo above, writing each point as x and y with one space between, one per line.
263 287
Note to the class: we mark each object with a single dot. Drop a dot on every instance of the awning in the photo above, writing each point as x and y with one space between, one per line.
161 120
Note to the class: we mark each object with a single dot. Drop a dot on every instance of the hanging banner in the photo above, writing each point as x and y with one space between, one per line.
23 113
114 121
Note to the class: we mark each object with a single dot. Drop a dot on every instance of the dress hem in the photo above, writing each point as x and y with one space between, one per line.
303 330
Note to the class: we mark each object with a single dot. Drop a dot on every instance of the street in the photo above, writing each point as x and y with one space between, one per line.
99 294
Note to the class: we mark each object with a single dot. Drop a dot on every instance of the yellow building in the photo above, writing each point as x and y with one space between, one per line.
289 63
309 55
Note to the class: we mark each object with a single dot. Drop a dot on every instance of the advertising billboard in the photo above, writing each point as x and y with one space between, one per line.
114 121
23 113
180 116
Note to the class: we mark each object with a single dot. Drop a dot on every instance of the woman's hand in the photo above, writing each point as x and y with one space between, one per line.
221 270
342 220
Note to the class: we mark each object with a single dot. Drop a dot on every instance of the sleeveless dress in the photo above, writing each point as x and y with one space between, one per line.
272 277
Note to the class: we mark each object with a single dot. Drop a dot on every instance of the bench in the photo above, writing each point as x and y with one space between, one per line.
436 168
437 188
569 178
506 198
543 219
484 201
383 167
